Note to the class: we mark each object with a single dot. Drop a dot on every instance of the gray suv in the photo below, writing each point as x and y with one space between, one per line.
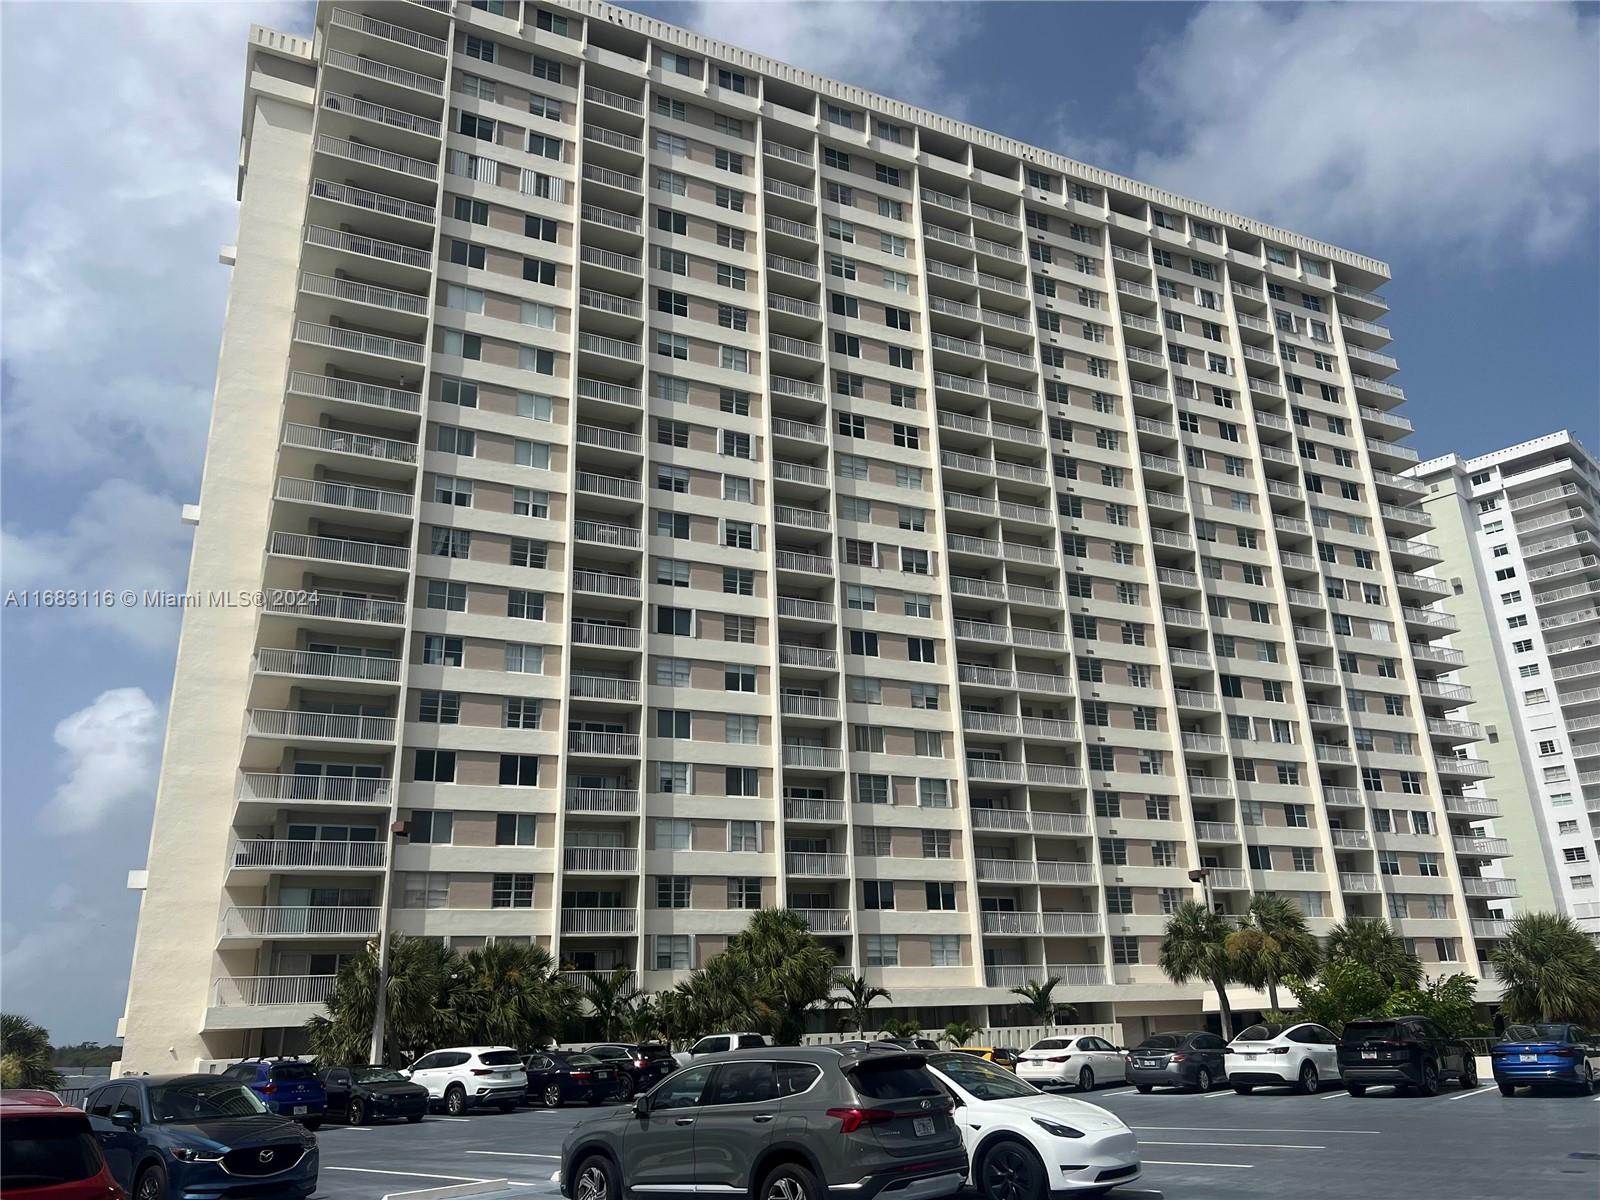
778 1123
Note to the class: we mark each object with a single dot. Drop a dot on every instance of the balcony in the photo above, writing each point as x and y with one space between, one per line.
355 342
316 726
313 789
826 920
1047 924
350 391
603 583
1463 768
377 202
614 487
1472 806
346 496
599 920
344 551
610 745
1490 928
603 860
791 655
609 393
334 607
1354 881
622 801
804 609
815 864
603 687
1216 831
821 758
602 533
1489 889
819 812
319 665
821 707
1070 974
372 156
339 441
367 247
372 27
1006 771
802 563
1351 839
1482 847
1230 879
1006 870
1062 871
261 991
388 299
270 921
268 854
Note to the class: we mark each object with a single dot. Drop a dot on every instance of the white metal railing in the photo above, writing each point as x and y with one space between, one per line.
805 809
344 495
782 385
612 393
602 800
390 32
372 156
603 687
325 789
362 343
1490 888
242 991
605 584
807 706
369 247
811 564
1357 881
620 180
614 100
610 217
823 757
606 534
1482 847
1070 974
615 486
611 259
793 655
607 302
788 153
826 920
371 669
282 921
811 610
340 550
295 723
333 606
598 920
352 391
1005 870
382 114
610 137
618 745
610 859
249 853
391 206
814 863
610 439
1350 839
789 266
340 441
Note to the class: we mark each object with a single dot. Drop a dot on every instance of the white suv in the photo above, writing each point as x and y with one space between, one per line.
1302 1055
720 1043
464 1077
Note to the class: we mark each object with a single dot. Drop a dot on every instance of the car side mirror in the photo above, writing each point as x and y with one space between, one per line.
125 1118
641 1105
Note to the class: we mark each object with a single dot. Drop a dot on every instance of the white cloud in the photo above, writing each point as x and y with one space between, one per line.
115 206
122 537
1448 126
108 756
896 48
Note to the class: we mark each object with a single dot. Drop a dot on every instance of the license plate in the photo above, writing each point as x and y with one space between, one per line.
1147 1062
923 1126
1369 1054
300 1110
602 1074
1528 1057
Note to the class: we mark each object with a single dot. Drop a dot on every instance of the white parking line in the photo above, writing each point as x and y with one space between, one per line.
514 1154
1163 1162
1475 1092
1239 1145
410 1174
1220 1096
458 1120
1214 1129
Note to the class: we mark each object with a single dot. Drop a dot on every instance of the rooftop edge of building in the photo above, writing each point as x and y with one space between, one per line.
1454 461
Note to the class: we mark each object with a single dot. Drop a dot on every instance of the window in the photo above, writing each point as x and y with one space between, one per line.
672 891
525 605
936 844
514 829
871 789
920 650
877 894
434 766
523 659
521 712
672 954
512 891
439 708
1124 950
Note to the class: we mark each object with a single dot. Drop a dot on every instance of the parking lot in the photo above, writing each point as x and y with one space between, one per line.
1272 1145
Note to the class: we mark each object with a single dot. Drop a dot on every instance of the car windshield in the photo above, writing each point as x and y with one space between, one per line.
500 1058
582 1060
1536 1033
1161 1041
1051 1044
202 1100
896 1079
295 1070
379 1075
1260 1033
980 1079
39 1152
1361 1031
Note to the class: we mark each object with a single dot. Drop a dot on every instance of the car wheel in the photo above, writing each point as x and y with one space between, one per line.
1086 1080
355 1114
552 1096
1202 1079
1590 1083
1430 1080
1356 1089
1244 1089
314 1124
151 1184
625 1088
1309 1083
1142 1088
595 1180
1469 1074
455 1099
791 1181
1010 1171
1507 1089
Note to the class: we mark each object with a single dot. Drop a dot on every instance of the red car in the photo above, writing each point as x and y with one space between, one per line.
47 1152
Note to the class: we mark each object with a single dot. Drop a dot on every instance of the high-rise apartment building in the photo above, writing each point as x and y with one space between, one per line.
1517 529
680 483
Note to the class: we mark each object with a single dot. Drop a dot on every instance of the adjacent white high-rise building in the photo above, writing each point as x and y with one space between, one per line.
679 483
1518 528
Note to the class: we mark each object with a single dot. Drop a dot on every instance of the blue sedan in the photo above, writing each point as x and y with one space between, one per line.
198 1137
1547 1055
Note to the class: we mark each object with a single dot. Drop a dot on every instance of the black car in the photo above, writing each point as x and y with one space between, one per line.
1188 1059
638 1066
1408 1052
909 1043
362 1094
558 1077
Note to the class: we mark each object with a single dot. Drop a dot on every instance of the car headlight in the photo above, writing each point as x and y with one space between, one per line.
1057 1128
190 1154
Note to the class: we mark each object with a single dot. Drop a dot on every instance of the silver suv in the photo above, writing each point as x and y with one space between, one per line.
777 1123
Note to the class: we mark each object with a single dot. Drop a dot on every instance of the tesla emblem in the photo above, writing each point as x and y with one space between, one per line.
927 1104
266 1156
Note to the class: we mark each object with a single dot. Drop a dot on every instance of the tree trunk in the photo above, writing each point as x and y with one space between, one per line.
1272 992
1227 1010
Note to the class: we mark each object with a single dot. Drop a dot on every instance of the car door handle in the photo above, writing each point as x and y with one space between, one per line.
762 1118
684 1121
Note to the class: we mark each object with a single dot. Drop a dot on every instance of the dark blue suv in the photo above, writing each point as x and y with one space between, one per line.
198 1137
287 1086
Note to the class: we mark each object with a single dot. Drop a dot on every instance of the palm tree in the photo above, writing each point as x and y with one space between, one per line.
959 1033
1372 943
511 995
611 1000
25 1054
1196 947
857 1001
645 1020
1549 970
1038 999
1273 941
779 971
420 1003
900 1027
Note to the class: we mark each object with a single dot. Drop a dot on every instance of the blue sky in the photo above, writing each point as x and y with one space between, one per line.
1459 144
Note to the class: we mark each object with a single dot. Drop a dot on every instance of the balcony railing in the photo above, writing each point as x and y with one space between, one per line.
327 387
826 920
815 864
301 921
294 723
273 853
321 665
382 114
603 687
372 156
339 441
312 789
808 706
344 495
821 757
602 800
806 809
617 745
335 607
604 859
598 920
1357 881
389 206
340 550
251 991
1070 974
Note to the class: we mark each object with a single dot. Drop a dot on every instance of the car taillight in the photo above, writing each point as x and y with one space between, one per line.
1566 1051
1059 1058
640 1063
852 1119
580 1075
482 1071
1179 1057
268 1088
1282 1049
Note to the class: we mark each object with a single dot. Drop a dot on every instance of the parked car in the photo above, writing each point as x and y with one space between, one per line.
1544 1055
637 1067
1409 1052
1085 1060
36 1096
362 1094
721 1043
1273 1055
198 1135
1000 1056
778 1123
287 1086
48 1151
556 1078
464 1077
1191 1059
910 1043
1025 1144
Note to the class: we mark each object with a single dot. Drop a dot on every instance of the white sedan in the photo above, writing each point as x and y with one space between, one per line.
1025 1144
1304 1055
1085 1061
